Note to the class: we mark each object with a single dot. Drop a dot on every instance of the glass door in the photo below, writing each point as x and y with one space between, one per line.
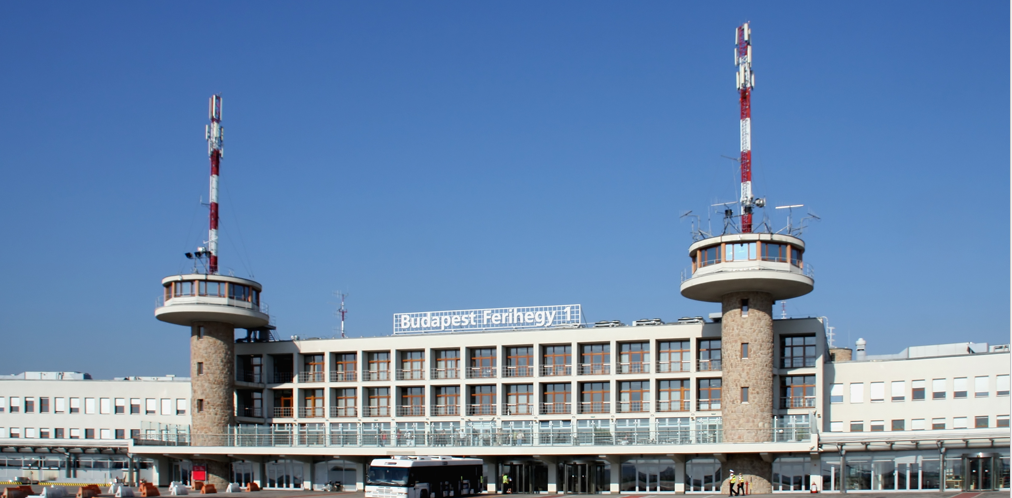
979 475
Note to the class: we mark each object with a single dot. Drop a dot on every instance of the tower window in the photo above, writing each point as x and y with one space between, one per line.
200 406
744 350
744 307
744 395
200 368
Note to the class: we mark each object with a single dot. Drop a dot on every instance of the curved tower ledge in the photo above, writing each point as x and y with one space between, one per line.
748 262
191 298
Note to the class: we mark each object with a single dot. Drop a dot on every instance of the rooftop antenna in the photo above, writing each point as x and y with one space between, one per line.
745 79
695 228
783 309
790 211
215 135
342 311
829 336
728 215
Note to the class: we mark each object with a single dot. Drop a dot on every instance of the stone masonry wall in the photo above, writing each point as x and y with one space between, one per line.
757 472
752 421
215 385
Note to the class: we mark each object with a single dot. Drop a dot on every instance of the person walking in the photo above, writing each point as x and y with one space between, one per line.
741 485
505 483
732 482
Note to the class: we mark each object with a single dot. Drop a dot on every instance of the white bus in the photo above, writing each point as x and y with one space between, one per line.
423 477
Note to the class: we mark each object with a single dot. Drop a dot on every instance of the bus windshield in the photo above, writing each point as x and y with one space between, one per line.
389 476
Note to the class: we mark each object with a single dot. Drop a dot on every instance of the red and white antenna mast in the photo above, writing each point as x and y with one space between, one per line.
745 79
215 134
342 311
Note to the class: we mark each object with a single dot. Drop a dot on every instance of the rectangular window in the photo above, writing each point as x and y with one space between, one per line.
44 433
3 404
200 368
43 405
634 357
959 387
774 252
634 396
709 394
377 401
709 355
150 406
166 406
15 405
938 389
519 399
447 401
135 433
483 400
797 391
981 422
740 252
917 424
836 393
744 307
378 365
836 427
744 395
105 406
857 426
58 433
980 386
345 366
135 406
75 433
412 365
200 406
595 359
483 363
180 406
917 390
412 403
120 434
119 406
797 351
59 405
105 434
556 360
673 356
520 361
938 424
89 433
89 406
75 405
898 425
29 433
959 422
555 398
899 389
673 395
877 392
877 426
29 405
856 393
15 432
595 397
1002 382
1001 421
744 350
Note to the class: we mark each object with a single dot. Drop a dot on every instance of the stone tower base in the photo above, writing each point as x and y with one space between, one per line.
757 472
218 473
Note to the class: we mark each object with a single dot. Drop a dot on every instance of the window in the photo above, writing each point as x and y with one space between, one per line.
938 389
556 360
740 252
211 289
120 434
899 389
183 288
59 405
89 433
981 422
1001 421
980 387
898 425
709 355
75 433
482 400
709 394
3 404
150 406
959 422
29 405
105 406
595 359
1002 382
200 368
447 364
634 357
15 405
180 406
89 406
29 433
345 367
797 351
836 427
344 403
938 424
744 395
58 433
634 396
959 388
379 366
796 257
555 398
43 433
520 361
119 406
519 399
75 405
710 255
483 362
412 365
857 393
673 356
200 406
105 434
673 395
857 426
797 391
744 307
877 392
774 252
595 397
917 390
135 406
917 424
877 426
412 402
15 433
744 350
836 393
378 401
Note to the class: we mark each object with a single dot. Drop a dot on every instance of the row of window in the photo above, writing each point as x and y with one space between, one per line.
521 399
236 292
62 433
749 251
920 424
519 361
92 406
918 389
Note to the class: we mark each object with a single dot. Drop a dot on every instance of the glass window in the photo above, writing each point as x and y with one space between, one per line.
797 391
796 256
1002 382
555 398
776 253
105 406
59 405
673 395
135 406
595 397
519 399
797 351
836 393
595 359
917 424
709 355
89 406
673 356
740 252
1001 421
899 390
520 361
345 366
709 394
938 389
917 390
181 406
877 426
15 405
857 426
344 403
483 400
897 425
959 422
959 386
483 363
938 424
412 365
89 433
150 406
710 255
556 360
634 357
744 350
29 405
634 396
980 386
981 422
75 405
877 391
836 427
857 393
43 405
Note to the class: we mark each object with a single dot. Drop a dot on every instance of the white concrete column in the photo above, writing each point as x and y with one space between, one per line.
679 473
815 470
615 461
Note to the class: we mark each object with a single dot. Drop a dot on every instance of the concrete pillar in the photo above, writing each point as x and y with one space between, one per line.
493 479
212 381
615 462
360 475
751 421
815 472
68 460
679 473
553 473
843 471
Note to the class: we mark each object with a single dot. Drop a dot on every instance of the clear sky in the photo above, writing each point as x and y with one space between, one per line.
449 155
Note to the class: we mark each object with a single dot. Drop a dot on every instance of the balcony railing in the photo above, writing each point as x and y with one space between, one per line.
343 411
556 408
445 373
445 410
376 411
248 376
595 407
708 365
556 370
518 409
415 374
595 369
797 402
708 404
411 411
284 412
519 371
481 409
675 366
633 406
251 411
376 375
343 376
312 412
312 377
674 406
481 373
282 377
634 367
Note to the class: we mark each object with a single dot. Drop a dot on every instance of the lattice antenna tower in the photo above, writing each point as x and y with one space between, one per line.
342 311
745 80
215 135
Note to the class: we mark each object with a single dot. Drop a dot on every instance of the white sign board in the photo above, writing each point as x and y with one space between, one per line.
532 317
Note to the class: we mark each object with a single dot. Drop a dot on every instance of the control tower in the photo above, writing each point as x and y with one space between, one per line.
747 272
212 306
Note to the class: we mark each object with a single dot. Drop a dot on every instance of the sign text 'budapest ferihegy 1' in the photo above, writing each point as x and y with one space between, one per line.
531 317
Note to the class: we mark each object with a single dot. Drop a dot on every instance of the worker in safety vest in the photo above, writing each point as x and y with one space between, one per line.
732 483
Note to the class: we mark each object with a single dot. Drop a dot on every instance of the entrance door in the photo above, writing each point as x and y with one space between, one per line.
521 476
979 477
583 477
242 472
648 478
908 476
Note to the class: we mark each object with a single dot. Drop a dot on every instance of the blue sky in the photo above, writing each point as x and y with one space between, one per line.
453 155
